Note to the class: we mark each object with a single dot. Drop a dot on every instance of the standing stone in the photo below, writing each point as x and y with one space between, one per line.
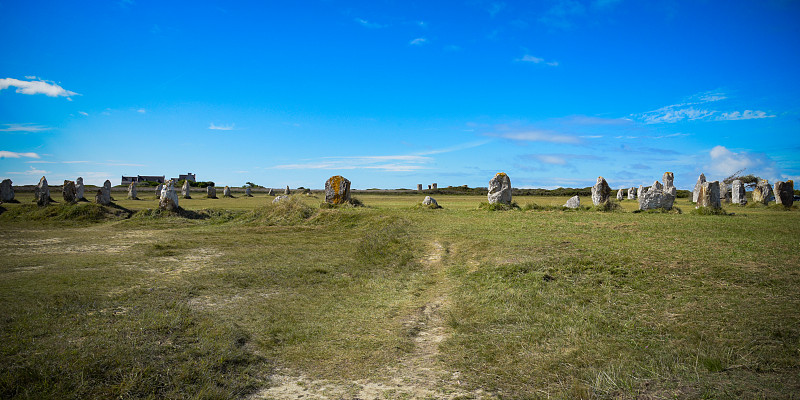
632 193
639 191
248 192
287 191
169 198
419 187
652 198
98 198
132 191
159 188
709 195
106 192
271 192
696 192
280 198
762 192
600 191
42 192
500 189
725 194
430 201
226 192
186 192
669 191
6 191
784 193
573 202
211 192
620 194
337 190
435 186
79 189
738 195
68 192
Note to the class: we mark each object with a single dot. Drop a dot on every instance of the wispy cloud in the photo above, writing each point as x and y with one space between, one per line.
538 136
11 154
392 163
222 127
746 114
418 41
458 147
32 171
24 128
559 159
368 24
37 86
698 108
527 58
84 113
141 111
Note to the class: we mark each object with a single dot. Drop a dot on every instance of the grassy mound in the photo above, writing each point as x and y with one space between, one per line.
81 212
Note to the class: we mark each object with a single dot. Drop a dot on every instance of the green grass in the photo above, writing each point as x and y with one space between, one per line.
128 301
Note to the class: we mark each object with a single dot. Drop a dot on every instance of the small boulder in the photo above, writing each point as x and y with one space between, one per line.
211 192
337 190
79 189
600 191
68 192
280 198
709 195
738 194
6 191
430 201
573 202
762 192
500 189
784 193
42 193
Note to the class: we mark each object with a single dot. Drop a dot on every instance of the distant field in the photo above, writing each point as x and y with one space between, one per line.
242 299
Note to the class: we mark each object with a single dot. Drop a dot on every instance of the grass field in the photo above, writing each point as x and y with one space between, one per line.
238 298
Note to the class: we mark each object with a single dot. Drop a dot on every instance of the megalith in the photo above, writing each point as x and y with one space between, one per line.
762 192
632 193
600 191
106 192
6 191
68 192
696 192
738 194
725 194
709 195
430 201
337 190
186 190
621 194
159 188
500 189
669 191
271 192
784 193
211 192
42 192
169 198
79 189
132 193
652 198
248 192
287 191
573 202
226 192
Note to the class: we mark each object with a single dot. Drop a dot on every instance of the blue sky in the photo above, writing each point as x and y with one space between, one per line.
391 94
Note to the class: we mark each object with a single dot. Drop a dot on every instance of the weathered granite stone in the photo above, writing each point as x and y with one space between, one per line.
696 192
600 191
632 193
186 190
669 191
762 192
337 190
419 187
639 191
169 198
42 192
738 195
280 198
434 186
573 202
226 192
98 198
106 192
132 193
500 189
211 192
652 198
79 189
248 192
430 201
784 193
287 191
68 192
621 194
6 191
709 195
271 192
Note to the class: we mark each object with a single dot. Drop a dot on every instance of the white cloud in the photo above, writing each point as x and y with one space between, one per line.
527 58
222 127
24 128
550 159
50 89
418 41
746 114
32 171
141 111
84 113
724 162
368 24
454 148
538 136
11 154
672 114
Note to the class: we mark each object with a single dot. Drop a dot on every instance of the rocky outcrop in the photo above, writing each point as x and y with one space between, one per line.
337 190
500 189
600 191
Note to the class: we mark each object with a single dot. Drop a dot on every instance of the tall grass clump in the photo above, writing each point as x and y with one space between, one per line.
607 206
290 211
498 206
709 211
539 207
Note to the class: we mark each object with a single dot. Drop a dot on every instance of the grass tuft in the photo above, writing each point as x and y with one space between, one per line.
498 206
709 211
